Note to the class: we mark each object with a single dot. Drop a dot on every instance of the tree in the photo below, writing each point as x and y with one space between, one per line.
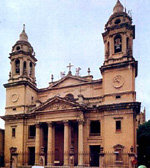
143 141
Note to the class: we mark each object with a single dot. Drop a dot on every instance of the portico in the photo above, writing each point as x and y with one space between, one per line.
60 136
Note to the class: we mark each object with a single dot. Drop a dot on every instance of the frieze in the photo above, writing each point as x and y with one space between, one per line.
58 106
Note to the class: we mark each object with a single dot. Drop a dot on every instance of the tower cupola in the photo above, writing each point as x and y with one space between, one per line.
23 60
119 34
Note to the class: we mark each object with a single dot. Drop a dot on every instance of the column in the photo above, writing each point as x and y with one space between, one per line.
13 67
21 67
80 143
37 144
66 143
111 45
124 47
28 68
50 145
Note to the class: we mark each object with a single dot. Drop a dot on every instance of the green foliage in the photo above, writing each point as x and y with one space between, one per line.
143 141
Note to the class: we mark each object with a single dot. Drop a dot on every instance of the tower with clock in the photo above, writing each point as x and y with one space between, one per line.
120 68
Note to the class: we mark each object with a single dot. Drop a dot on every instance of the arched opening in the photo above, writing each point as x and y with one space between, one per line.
24 68
117 43
17 66
31 68
69 96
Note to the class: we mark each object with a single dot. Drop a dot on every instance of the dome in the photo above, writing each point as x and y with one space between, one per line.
118 7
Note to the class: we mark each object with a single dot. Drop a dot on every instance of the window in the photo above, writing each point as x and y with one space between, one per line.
118 150
118 155
69 96
31 131
118 125
117 21
118 97
17 66
31 68
117 43
127 43
95 128
108 50
18 48
24 68
13 132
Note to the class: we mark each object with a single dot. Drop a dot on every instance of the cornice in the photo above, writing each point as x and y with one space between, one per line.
25 83
120 65
22 52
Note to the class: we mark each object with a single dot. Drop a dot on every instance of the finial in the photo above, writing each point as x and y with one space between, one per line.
89 71
78 71
69 66
23 35
24 27
52 78
118 7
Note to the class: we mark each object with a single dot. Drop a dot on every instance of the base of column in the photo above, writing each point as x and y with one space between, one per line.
49 164
80 166
36 164
65 165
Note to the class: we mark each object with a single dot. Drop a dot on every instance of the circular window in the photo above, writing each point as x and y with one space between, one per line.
117 21
18 48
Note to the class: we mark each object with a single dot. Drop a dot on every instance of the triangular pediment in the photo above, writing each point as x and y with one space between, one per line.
68 81
57 103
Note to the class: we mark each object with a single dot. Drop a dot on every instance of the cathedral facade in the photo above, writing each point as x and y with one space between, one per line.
76 120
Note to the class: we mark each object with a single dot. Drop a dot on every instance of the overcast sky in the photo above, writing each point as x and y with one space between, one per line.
63 31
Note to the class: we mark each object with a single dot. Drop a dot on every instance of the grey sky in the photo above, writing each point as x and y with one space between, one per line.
63 31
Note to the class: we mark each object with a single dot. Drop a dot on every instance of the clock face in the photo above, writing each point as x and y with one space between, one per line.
118 81
14 97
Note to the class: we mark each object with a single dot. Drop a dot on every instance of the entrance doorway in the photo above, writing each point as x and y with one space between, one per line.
59 145
31 159
94 155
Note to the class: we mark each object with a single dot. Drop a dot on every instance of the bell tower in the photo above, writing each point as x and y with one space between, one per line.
22 59
21 90
119 68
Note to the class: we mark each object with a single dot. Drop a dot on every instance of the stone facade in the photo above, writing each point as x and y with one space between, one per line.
76 120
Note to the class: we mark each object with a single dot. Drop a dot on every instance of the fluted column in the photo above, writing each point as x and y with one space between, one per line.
80 143
37 144
66 143
50 144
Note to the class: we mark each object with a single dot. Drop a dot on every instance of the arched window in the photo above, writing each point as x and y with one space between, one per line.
117 43
31 68
24 68
69 96
17 66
